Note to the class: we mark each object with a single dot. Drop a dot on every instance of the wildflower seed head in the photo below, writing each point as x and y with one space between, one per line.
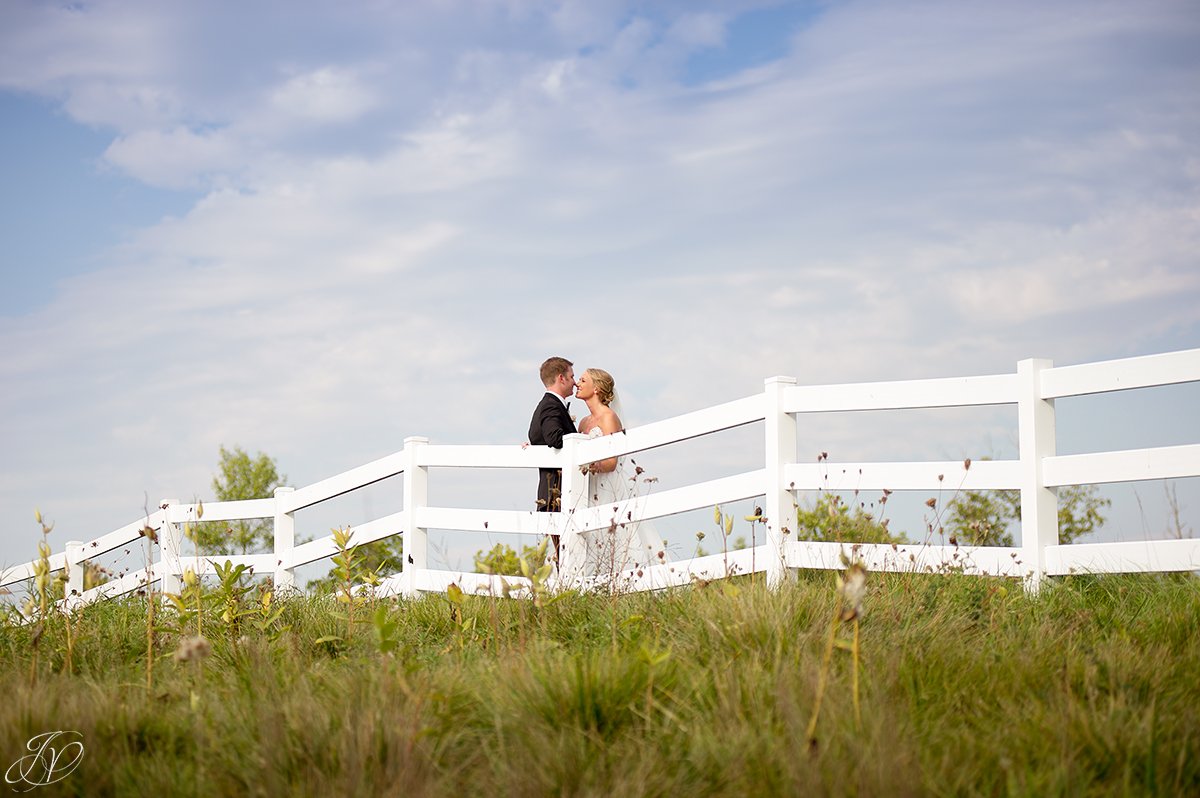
192 649
853 587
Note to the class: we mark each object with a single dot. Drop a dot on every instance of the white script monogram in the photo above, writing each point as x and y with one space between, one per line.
53 756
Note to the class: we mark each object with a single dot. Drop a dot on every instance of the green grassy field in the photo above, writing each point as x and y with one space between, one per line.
967 686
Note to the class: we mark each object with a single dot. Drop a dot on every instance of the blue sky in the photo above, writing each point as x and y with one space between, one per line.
313 229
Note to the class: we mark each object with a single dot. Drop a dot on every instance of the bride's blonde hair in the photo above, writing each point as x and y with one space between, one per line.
603 382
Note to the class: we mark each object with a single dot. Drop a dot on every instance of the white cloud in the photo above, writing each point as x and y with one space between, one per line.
324 96
698 30
1129 256
175 158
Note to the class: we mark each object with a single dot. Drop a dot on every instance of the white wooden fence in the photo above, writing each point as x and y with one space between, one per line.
1037 473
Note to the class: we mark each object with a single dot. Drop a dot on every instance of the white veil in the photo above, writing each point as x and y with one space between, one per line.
614 405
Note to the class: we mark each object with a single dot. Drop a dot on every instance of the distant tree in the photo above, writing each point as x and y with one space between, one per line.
383 557
983 518
832 519
504 560
1078 511
240 477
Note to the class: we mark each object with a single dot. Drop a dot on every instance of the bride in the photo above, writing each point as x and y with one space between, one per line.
623 548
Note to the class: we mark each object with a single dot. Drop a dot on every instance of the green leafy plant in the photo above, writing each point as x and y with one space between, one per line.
373 559
463 625
386 628
265 619
230 596
349 571
39 604
538 575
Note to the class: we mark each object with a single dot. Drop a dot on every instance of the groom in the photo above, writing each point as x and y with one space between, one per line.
551 421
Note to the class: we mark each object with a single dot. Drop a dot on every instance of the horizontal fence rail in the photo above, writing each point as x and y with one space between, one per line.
1037 473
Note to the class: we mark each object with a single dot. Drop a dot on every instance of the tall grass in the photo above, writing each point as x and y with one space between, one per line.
968 686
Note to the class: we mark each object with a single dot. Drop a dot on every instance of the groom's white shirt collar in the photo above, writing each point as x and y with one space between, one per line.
564 399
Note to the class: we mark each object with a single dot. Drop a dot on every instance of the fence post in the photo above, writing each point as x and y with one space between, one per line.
284 578
416 498
573 494
168 546
74 571
780 452
1039 504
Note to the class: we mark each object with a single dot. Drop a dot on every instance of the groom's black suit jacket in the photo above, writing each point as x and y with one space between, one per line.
551 421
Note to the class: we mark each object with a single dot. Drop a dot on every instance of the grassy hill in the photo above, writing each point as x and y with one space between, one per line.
966 686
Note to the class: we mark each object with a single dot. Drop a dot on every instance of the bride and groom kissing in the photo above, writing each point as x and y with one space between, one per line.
626 546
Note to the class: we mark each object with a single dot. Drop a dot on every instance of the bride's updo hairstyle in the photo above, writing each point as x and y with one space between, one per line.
603 382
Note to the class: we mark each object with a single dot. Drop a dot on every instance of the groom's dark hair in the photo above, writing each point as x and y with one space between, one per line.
553 367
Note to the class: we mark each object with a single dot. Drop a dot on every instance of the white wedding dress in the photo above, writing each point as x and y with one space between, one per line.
619 551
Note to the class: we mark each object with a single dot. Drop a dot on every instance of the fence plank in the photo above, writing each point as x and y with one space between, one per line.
427 580
907 557
1127 557
319 549
126 584
674 430
130 533
1131 465
994 389
127 534
1120 375
344 482
507 456
243 510
19 573
520 522
840 477
676 500
705 569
